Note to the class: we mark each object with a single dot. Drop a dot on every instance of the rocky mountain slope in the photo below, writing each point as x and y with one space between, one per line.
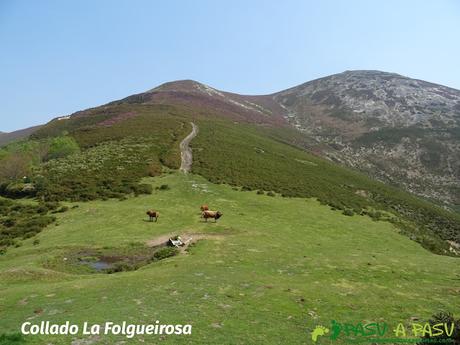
399 130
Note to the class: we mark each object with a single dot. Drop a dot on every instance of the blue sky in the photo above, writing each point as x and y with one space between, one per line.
57 57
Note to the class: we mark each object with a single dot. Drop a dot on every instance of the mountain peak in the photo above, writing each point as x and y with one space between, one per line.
368 72
187 85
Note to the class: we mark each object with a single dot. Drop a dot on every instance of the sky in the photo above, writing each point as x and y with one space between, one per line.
58 57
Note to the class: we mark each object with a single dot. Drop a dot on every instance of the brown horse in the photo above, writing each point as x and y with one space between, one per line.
153 214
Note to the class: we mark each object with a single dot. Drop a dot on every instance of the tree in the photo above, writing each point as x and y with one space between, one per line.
62 146
14 167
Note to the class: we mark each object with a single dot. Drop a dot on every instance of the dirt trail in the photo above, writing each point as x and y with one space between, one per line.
186 151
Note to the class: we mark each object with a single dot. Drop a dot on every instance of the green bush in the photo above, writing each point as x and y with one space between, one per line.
448 318
142 188
375 215
8 222
121 267
61 209
348 212
61 147
165 252
22 221
163 187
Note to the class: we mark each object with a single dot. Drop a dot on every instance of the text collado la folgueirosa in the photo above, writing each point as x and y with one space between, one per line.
124 328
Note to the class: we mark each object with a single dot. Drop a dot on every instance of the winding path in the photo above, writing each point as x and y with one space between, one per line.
186 151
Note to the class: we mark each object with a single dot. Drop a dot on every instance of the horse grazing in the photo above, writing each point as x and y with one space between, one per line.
204 208
211 214
153 214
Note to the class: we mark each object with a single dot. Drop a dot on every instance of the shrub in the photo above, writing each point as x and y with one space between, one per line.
165 252
9 222
260 192
143 188
163 187
154 169
22 221
17 189
348 212
121 267
375 215
271 194
444 317
61 209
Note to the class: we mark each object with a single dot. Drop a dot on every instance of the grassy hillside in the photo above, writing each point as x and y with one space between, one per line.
258 158
114 152
274 269
121 143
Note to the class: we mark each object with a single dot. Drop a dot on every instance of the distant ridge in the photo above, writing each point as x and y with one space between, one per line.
6 138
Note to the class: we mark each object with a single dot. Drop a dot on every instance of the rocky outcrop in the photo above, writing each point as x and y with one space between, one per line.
397 129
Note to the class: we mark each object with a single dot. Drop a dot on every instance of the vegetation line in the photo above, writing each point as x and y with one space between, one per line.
186 151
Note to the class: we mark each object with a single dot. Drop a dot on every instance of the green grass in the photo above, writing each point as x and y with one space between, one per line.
279 267
245 155
146 138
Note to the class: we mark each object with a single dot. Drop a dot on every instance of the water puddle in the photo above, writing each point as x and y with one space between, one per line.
97 265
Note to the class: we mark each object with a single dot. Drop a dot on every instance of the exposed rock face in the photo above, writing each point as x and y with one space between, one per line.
399 130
